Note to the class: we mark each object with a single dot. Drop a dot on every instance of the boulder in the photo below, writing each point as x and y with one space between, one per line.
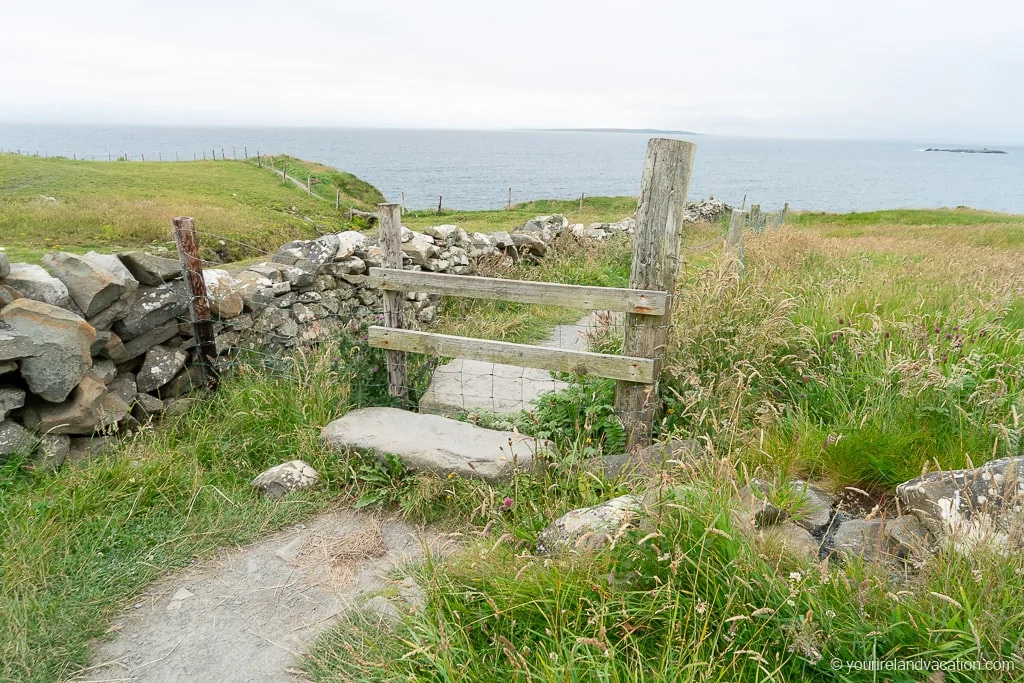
285 478
162 364
139 345
153 307
8 294
435 444
789 538
980 506
5 265
149 270
92 287
587 529
349 242
11 398
53 451
863 538
528 243
146 406
15 439
813 507
89 408
61 344
420 249
35 283
352 265
502 240
224 293
117 310
308 254
447 234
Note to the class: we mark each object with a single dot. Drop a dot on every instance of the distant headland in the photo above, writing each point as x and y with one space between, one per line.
647 131
983 150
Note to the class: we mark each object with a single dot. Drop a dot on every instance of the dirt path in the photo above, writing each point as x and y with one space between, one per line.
299 183
248 614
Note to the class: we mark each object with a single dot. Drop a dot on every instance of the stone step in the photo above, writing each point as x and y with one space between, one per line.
436 444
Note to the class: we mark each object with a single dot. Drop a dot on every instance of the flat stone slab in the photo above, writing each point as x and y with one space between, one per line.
468 385
436 444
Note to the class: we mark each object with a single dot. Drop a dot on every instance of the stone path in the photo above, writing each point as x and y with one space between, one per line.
466 385
248 614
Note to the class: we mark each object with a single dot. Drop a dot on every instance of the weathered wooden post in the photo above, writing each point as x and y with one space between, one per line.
195 285
754 220
439 205
309 185
509 208
734 241
337 198
389 217
656 261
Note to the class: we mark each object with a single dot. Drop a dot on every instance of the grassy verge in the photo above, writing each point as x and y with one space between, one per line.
595 210
49 203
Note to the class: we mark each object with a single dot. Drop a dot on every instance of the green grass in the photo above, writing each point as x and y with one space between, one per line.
830 334
50 203
595 210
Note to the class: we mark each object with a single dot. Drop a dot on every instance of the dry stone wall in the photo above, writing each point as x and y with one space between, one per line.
95 344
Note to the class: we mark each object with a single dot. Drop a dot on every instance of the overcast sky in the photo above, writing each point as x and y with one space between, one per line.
933 69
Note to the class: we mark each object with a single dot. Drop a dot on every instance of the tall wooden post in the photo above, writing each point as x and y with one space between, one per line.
309 185
734 241
389 218
509 208
337 198
755 217
438 205
656 261
192 269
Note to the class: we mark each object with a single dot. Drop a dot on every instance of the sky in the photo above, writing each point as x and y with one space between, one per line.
866 69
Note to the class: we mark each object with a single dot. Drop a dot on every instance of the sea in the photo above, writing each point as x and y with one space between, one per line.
475 169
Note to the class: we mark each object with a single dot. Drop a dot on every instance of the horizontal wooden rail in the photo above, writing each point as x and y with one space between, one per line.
557 360
640 301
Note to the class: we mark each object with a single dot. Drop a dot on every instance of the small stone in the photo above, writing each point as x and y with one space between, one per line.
15 439
224 293
153 307
150 270
5 265
285 478
11 398
162 364
587 529
33 282
53 451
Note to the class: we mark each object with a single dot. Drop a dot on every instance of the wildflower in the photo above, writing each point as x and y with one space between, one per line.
701 607
795 577
887 335
507 503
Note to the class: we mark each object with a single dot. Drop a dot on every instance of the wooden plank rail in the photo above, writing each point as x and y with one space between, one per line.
637 301
639 370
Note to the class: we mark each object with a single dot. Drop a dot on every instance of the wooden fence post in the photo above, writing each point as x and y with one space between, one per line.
389 217
755 217
309 184
337 198
734 240
438 205
195 285
656 261
509 208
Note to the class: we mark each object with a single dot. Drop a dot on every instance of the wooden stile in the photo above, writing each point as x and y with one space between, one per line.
639 370
656 261
389 217
643 302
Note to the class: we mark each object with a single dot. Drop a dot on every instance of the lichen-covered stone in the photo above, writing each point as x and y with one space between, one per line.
587 529
60 346
282 479
92 287
150 270
162 364
33 282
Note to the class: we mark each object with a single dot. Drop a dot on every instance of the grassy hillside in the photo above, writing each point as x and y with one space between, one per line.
47 203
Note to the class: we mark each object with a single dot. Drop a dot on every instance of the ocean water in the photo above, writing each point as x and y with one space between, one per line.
475 169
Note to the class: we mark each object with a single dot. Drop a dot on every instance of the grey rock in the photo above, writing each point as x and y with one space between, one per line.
756 510
587 529
420 249
175 407
502 240
351 265
139 345
92 287
349 242
89 408
435 444
146 406
187 380
103 369
84 449
61 344
120 308
789 538
53 451
5 265
153 307
35 283
861 538
268 270
162 364
224 293
527 243
970 507
447 234
8 366
113 348
11 398
15 439
149 270
8 294
813 507
908 538
282 479
308 253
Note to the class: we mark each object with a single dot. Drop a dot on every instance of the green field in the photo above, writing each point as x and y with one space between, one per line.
51 203
858 350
